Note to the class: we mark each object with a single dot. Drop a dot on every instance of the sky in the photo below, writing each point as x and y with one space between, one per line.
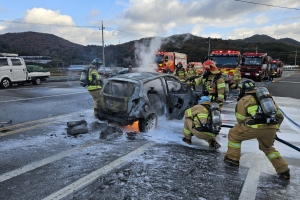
81 22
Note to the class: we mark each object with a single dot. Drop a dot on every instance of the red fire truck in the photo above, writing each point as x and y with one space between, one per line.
166 61
227 61
255 65
278 66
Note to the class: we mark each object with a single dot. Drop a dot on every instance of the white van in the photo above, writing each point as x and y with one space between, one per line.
13 70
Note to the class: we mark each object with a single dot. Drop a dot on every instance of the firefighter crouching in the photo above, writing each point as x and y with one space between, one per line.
196 122
180 72
213 82
94 86
250 126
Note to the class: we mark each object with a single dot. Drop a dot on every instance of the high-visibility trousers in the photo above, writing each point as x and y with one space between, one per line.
265 138
95 95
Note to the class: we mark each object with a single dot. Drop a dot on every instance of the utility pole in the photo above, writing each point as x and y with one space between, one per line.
256 49
296 58
103 50
208 47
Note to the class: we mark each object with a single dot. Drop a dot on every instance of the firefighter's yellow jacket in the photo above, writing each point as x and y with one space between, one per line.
247 107
216 89
180 74
198 113
94 84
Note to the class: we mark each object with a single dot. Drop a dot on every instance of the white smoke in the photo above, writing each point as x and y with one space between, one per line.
145 54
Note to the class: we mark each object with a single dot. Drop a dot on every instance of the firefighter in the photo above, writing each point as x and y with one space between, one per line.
180 72
236 78
95 83
272 74
196 121
226 77
248 127
213 81
191 71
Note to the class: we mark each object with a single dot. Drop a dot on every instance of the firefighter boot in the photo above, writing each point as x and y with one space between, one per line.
213 144
285 175
231 162
188 141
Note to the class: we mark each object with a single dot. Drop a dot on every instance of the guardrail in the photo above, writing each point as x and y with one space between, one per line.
291 67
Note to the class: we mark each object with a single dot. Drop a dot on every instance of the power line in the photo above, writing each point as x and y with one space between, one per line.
268 5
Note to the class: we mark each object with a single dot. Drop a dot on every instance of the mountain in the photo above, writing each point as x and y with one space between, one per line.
65 52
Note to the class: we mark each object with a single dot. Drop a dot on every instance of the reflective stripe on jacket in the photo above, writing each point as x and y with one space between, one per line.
247 107
94 84
180 74
198 113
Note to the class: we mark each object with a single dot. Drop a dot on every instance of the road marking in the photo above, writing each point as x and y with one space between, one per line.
287 82
43 162
57 95
257 164
27 128
26 88
97 173
40 120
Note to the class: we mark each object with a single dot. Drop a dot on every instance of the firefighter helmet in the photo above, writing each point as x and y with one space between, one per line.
244 86
179 65
203 98
211 66
96 62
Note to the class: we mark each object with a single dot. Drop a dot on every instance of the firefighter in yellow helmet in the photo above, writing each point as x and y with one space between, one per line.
236 78
196 122
251 126
213 81
94 85
180 72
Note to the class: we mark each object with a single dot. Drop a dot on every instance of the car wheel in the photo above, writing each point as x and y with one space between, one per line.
148 123
37 81
5 83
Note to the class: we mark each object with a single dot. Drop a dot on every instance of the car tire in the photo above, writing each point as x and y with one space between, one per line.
148 123
5 83
37 81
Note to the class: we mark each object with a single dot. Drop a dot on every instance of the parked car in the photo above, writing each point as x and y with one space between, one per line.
142 97
122 71
76 68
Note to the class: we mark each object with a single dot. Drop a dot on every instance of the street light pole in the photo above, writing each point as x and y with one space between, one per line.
103 50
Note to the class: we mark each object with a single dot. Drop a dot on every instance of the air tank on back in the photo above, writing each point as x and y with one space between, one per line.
215 117
266 102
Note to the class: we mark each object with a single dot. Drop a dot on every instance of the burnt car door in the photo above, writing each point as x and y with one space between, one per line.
179 97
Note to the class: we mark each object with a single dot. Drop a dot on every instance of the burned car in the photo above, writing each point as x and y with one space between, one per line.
142 97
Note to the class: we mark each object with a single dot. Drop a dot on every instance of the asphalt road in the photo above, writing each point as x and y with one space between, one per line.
39 160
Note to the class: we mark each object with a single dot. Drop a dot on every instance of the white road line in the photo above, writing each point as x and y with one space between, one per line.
26 88
257 164
43 97
287 82
97 173
40 163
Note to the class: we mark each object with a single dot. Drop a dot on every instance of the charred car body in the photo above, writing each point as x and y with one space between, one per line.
143 97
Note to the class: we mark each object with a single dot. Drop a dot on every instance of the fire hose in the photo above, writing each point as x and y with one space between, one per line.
276 138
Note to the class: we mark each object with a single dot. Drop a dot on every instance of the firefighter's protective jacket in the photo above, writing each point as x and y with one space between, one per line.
94 83
215 85
247 107
192 72
198 113
272 73
237 75
181 74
